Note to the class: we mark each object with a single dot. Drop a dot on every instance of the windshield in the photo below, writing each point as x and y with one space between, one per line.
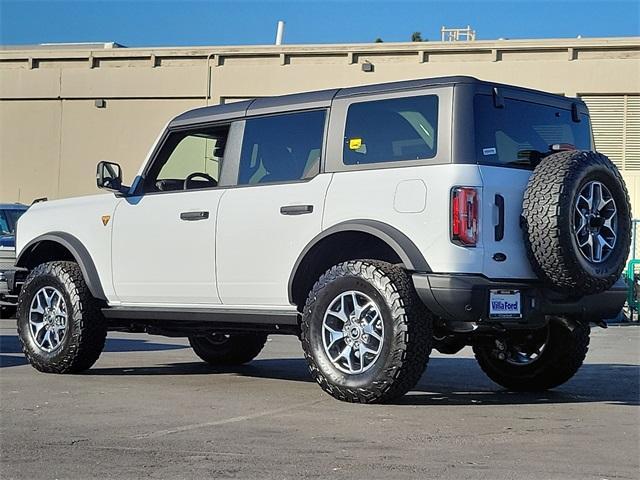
8 220
522 133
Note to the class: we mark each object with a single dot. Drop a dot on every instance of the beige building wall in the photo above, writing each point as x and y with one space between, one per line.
52 134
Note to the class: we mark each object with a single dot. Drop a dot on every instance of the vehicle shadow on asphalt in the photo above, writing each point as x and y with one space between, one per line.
447 381
9 344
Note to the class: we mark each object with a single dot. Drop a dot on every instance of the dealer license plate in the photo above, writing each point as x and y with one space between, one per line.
504 304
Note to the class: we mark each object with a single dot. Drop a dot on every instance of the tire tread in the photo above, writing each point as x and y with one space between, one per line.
568 353
413 332
547 207
90 329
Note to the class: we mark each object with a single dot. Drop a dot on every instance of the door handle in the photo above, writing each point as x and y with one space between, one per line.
499 228
296 209
194 216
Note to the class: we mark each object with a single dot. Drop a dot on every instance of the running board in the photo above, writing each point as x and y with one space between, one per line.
246 316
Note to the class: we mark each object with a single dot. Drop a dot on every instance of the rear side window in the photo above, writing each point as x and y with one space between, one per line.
391 130
522 133
281 148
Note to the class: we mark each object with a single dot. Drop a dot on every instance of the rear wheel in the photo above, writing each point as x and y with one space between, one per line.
365 333
232 349
535 360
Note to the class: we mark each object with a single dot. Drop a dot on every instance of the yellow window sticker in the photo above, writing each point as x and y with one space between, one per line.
355 143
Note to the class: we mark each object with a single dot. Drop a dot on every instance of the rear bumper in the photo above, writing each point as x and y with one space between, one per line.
465 298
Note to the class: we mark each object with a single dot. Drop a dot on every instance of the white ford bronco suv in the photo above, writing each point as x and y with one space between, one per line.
374 222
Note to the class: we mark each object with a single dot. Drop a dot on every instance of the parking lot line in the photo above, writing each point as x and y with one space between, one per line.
240 418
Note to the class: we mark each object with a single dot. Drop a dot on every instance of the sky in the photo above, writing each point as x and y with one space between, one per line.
245 22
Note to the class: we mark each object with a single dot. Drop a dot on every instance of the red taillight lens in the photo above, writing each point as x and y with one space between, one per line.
464 216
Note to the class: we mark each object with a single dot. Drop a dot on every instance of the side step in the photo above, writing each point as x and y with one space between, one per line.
176 319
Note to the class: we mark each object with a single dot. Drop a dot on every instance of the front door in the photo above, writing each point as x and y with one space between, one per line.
163 248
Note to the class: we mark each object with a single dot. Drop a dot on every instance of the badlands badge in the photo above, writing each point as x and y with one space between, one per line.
105 219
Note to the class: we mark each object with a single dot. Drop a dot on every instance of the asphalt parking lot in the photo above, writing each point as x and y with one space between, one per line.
151 409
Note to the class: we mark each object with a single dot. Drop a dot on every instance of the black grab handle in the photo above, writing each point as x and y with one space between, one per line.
499 228
193 216
296 209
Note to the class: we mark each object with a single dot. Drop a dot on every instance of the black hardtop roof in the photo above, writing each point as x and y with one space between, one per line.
238 109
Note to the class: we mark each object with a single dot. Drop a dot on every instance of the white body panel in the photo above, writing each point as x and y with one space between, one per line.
511 184
380 195
159 258
243 254
257 246
80 217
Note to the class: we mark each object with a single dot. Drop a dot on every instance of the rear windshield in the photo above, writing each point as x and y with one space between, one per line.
522 133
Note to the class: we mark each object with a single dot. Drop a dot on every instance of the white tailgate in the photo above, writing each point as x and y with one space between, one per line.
510 183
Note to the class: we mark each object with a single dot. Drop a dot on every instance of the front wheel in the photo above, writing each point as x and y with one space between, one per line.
60 324
536 360
365 333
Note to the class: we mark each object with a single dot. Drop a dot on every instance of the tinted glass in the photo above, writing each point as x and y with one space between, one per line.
8 220
522 133
281 148
391 130
4 224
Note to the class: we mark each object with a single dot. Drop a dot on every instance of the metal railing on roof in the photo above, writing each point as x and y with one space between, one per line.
457 34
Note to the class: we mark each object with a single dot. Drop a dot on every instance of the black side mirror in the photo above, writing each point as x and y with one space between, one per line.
109 176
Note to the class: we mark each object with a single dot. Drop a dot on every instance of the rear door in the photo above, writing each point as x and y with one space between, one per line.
275 208
510 141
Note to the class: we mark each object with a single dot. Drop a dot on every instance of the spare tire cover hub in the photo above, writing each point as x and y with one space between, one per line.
595 222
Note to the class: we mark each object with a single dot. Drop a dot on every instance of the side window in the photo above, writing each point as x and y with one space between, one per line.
281 148
189 160
4 224
392 130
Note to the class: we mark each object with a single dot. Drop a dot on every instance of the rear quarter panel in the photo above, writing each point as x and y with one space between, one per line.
392 196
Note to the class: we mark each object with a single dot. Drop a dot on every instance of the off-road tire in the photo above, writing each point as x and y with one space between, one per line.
407 332
559 361
548 222
236 349
86 327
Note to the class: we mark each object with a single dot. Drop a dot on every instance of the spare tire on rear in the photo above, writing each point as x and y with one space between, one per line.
577 222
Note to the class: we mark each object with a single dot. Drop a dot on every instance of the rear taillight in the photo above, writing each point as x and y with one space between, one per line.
464 216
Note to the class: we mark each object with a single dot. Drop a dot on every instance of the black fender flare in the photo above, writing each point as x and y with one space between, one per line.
79 252
410 255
